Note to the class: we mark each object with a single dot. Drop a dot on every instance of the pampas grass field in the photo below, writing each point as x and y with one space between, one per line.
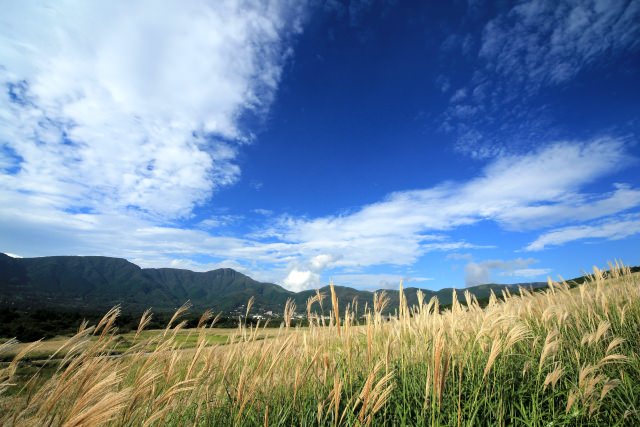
564 356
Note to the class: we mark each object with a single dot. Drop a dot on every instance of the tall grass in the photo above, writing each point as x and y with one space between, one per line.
562 356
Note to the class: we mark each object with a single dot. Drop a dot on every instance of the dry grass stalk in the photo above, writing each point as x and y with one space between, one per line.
496 348
289 312
553 377
144 322
380 304
179 312
335 307
551 345
310 301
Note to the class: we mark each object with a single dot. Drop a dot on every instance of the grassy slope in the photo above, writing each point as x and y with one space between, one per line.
565 356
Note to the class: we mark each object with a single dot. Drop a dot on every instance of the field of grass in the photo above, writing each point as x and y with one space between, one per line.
559 357
186 339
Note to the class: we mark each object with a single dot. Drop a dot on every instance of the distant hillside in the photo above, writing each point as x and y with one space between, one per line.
98 283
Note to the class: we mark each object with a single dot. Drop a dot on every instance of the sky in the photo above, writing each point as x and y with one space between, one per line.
364 142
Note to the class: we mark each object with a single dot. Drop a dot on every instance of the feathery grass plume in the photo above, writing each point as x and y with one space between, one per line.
354 306
372 397
215 320
204 318
380 303
249 305
5 373
455 303
310 301
551 285
427 388
436 304
551 345
516 333
98 403
289 312
403 310
571 400
468 299
337 394
598 274
319 413
420 296
144 322
320 296
179 312
496 348
335 307
607 387
7 345
594 337
614 344
553 377
613 358
603 328
440 365
13 366
107 322
506 294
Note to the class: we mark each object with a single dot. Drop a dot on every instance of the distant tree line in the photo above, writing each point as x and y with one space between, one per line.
47 323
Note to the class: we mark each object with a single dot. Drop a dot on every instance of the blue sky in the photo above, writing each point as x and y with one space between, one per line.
443 143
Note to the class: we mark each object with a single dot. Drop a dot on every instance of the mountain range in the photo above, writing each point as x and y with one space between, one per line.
98 283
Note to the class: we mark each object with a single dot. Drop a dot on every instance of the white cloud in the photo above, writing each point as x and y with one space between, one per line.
218 221
322 261
126 106
306 275
298 280
459 95
265 212
610 229
478 273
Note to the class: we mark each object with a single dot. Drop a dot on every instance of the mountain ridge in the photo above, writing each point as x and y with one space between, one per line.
98 283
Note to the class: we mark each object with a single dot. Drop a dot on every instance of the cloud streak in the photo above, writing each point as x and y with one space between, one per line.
548 42
610 229
522 52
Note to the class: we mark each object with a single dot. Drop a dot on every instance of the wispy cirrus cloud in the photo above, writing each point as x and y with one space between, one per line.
611 229
543 42
524 50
